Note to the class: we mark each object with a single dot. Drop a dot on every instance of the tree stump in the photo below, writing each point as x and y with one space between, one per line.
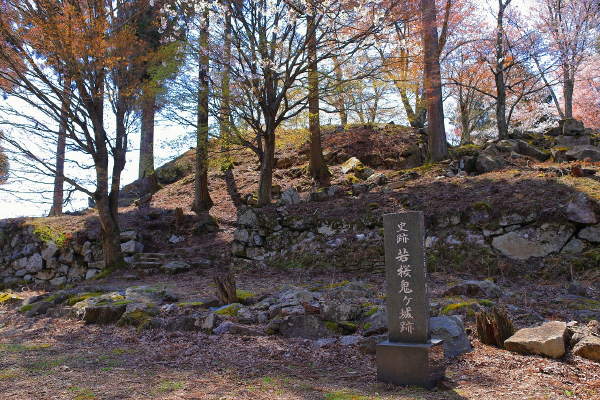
178 216
226 288
494 329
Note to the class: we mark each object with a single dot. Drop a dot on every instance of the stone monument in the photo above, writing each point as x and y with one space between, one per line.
410 356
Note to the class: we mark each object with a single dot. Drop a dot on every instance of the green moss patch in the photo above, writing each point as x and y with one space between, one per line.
230 311
372 311
82 297
244 295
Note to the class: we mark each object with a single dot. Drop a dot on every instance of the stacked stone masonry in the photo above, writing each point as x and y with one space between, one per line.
27 258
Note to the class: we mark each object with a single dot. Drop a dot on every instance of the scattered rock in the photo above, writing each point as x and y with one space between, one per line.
528 150
472 288
375 321
175 267
132 247
342 312
192 324
304 326
452 331
104 314
206 224
582 152
323 343
235 329
590 233
486 163
369 345
577 289
351 165
522 244
572 141
289 197
350 340
581 210
547 340
589 348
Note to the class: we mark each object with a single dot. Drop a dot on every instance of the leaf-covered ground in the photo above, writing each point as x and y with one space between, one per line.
56 358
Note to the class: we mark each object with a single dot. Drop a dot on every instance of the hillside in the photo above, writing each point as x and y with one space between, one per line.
328 247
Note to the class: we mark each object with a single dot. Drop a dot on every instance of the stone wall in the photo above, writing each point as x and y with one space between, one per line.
27 258
572 229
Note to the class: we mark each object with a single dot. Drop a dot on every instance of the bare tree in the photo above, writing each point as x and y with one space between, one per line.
570 28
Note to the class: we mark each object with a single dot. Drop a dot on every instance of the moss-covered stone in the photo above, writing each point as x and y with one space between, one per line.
352 180
230 310
372 311
82 296
26 308
244 296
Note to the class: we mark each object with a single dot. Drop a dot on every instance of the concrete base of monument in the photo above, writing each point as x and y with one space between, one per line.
411 364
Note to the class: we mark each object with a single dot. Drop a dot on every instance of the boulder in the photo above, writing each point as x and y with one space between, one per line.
582 152
175 267
104 314
486 163
290 196
472 288
369 345
452 331
581 210
572 141
304 326
207 224
189 323
375 321
588 347
575 246
349 340
590 233
39 308
235 329
342 312
129 235
559 154
508 146
528 150
522 244
132 247
547 340
571 127
352 290
577 289
297 295
351 165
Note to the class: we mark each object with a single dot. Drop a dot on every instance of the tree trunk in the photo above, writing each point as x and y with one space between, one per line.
438 147
146 167
317 166
225 111
499 75
59 178
149 182
266 166
226 288
569 86
465 121
108 203
202 200
341 106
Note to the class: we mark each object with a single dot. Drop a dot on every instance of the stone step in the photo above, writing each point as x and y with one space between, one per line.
146 264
